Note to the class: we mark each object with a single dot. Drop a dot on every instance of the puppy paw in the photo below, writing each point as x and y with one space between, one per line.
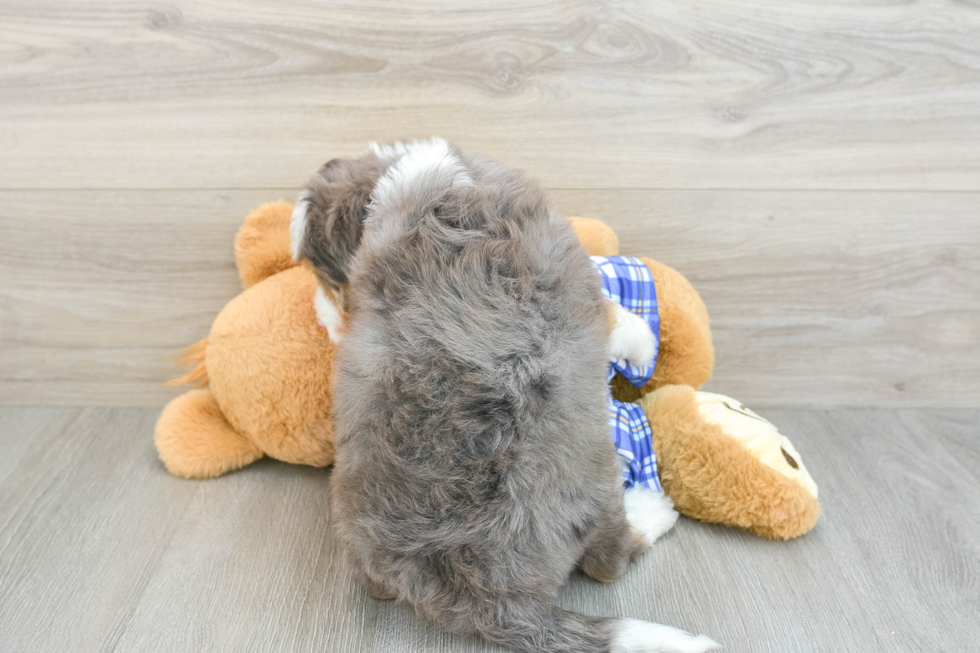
632 339
650 513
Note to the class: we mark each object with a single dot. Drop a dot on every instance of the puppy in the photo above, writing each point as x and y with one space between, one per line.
474 468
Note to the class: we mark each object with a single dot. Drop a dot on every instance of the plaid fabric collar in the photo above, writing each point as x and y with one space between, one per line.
629 283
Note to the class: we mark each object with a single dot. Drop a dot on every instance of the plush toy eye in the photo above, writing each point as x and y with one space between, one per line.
789 459
742 411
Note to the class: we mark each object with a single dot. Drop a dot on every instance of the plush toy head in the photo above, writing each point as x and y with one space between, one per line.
720 462
268 364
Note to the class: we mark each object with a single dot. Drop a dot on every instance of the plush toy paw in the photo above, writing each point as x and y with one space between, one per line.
195 440
262 243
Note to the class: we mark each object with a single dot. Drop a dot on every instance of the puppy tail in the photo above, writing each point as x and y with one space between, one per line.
533 627
193 357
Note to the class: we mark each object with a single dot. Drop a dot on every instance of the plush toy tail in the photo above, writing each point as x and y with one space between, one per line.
193 357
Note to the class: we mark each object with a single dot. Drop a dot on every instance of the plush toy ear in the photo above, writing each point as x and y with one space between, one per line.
262 243
597 237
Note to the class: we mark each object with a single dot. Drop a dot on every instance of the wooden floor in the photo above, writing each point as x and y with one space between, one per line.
812 167
102 550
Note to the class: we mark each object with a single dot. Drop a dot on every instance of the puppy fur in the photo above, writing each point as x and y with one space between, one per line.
474 469
336 200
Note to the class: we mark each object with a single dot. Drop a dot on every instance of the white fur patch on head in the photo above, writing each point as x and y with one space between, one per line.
391 152
327 314
297 224
420 166
649 512
635 636
632 338
397 150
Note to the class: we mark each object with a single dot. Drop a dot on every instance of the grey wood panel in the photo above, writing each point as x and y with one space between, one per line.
816 298
820 298
255 555
22 431
101 289
101 550
84 518
682 93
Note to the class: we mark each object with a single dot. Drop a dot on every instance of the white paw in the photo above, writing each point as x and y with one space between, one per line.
635 636
327 315
297 224
649 512
632 339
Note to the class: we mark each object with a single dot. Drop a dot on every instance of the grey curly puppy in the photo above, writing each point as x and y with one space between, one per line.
474 468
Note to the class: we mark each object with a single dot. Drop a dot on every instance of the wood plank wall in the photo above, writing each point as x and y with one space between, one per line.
813 168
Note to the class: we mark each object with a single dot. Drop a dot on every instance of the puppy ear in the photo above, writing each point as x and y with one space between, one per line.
328 220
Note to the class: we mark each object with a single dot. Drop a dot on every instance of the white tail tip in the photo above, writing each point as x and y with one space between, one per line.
635 636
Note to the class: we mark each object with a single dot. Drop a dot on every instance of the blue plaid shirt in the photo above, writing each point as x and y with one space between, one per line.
629 283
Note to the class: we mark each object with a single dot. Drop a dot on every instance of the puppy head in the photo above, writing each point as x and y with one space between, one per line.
328 220
326 226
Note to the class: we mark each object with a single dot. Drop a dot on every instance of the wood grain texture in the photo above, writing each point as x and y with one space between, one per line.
84 517
812 167
694 128
816 298
821 298
683 93
101 550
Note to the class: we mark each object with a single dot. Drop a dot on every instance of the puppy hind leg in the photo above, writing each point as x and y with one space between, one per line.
629 527
378 591
613 546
